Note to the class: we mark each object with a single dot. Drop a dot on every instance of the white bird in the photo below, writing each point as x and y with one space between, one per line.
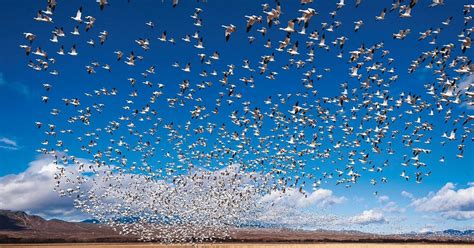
291 26
73 51
41 17
406 13
229 30
102 3
26 48
76 31
78 17
437 3
175 3
405 176
452 135
150 24
54 39
187 68
30 37
358 24
251 20
199 44
340 4
382 15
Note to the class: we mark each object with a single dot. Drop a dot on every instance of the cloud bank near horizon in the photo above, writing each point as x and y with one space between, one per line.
33 191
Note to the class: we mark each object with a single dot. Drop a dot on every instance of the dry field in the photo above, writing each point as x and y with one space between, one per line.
235 245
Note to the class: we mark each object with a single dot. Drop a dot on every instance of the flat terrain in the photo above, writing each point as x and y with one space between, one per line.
232 245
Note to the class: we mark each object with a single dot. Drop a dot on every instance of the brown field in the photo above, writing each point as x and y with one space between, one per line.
234 245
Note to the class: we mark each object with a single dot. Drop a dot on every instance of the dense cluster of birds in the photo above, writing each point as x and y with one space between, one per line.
188 160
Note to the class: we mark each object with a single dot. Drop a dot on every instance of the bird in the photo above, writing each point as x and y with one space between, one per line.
47 86
251 20
436 3
41 16
150 24
78 16
73 51
358 24
200 44
26 48
187 68
229 30
30 37
102 3
340 4
291 27
382 15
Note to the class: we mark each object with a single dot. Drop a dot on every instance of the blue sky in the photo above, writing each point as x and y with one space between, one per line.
21 90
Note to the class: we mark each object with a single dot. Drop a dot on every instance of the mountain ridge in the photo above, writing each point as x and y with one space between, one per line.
20 227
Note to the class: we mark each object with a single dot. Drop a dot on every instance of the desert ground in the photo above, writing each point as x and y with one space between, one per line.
233 245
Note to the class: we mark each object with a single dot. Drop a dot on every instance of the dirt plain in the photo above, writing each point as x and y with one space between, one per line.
239 245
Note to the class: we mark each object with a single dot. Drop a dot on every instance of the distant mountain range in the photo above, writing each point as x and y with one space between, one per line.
452 232
466 232
20 227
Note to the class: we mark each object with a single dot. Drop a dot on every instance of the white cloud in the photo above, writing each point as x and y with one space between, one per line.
9 144
296 209
383 198
32 191
407 194
293 198
372 216
465 82
449 202
392 207
458 215
427 228
462 86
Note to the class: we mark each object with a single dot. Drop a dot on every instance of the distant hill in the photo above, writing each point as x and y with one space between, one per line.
453 232
19 227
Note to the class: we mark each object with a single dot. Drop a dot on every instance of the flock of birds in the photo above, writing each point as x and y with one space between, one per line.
189 160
